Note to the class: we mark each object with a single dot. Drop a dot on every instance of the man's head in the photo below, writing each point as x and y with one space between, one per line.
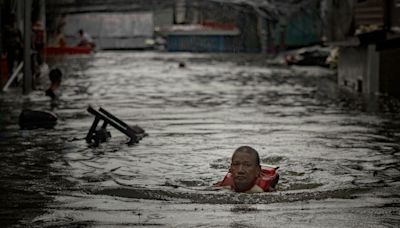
55 76
80 31
245 168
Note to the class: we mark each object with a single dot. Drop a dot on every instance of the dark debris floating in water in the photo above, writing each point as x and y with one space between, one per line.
97 135
34 119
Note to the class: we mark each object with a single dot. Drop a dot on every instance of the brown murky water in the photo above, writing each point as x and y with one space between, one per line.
338 155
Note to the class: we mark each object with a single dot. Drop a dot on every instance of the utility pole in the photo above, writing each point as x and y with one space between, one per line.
1 26
28 81
43 18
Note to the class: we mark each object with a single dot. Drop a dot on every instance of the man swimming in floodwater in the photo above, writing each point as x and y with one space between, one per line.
246 175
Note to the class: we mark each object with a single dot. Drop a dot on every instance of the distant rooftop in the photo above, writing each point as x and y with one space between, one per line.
272 9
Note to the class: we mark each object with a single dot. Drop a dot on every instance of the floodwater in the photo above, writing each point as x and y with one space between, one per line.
338 155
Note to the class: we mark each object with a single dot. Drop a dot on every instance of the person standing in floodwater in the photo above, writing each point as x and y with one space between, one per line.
247 175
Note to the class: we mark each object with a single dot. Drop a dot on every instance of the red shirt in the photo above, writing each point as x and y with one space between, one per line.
266 181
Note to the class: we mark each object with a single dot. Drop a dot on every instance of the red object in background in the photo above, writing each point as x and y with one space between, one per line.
38 35
218 25
67 50
3 69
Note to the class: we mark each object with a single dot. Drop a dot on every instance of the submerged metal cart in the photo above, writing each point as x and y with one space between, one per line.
97 135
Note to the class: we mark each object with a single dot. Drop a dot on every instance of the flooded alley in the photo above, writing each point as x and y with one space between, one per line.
338 155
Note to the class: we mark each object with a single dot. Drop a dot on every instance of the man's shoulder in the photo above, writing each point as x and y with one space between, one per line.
50 93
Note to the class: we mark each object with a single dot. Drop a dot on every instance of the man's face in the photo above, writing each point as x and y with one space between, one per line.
244 170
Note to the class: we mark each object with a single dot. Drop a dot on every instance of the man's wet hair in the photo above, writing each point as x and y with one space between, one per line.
249 150
55 75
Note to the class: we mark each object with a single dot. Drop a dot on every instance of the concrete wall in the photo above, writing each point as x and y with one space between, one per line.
364 69
352 67
163 17
390 72
395 14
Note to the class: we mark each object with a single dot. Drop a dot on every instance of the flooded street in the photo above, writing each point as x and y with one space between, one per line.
338 156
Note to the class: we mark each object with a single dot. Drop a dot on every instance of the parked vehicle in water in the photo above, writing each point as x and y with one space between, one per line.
315 55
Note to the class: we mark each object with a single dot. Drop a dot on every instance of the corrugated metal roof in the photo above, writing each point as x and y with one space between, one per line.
369 13
273 9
